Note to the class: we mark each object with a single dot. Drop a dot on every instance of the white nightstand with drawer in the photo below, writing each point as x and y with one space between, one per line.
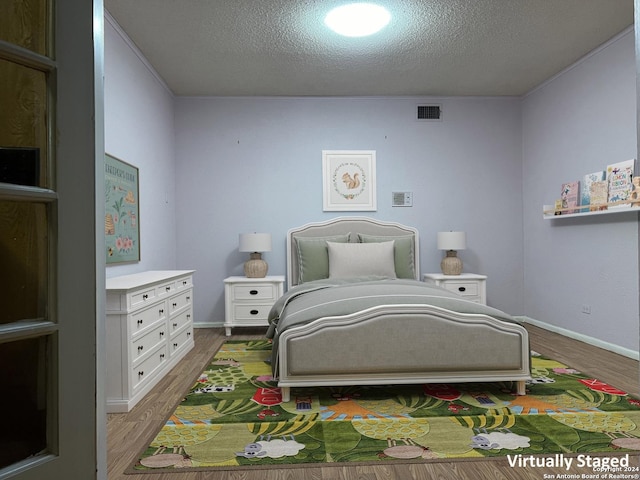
469 285
247 301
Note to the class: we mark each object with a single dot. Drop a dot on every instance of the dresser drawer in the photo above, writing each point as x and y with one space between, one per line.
146 369
147 342
184 282
142 320
180 341
254 292
143 296
166 289
177 322
179 301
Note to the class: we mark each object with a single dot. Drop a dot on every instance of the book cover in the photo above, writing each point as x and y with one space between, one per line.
558 207
585 191
599 193
635 192
620 180
569 197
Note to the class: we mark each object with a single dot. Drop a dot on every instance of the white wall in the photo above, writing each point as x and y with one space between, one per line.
139 129
575 124
255 164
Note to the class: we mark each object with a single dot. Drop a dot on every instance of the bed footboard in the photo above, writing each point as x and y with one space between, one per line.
403 344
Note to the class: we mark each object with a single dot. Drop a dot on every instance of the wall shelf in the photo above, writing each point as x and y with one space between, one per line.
548 212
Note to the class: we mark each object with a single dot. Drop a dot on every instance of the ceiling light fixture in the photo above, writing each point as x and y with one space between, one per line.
357 19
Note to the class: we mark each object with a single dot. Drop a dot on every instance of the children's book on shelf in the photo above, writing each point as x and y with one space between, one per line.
635 192
585 191
558 207
569 197
599 193
619 179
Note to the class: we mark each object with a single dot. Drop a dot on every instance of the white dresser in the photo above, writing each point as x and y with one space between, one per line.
248 301
149 329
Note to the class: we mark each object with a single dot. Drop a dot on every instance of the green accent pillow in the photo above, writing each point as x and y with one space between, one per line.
403 252
313 256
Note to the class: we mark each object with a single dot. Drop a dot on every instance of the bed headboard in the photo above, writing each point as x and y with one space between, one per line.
344 225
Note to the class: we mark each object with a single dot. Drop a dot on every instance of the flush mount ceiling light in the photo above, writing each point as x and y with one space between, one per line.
357 19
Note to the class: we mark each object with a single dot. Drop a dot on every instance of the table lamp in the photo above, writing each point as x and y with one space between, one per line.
451 242
255 243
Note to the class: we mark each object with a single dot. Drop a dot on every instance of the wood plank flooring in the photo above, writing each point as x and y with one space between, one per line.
128 433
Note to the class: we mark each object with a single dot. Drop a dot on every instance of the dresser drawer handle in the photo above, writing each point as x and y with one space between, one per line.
140 348
462 289
254 312
253 292
145 296
175 305
161 311
162 356
141 373
184 282
168 288
175 325
140 322
175 345
161 334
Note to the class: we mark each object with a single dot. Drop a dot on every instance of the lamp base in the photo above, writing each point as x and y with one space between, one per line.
256 267
451 264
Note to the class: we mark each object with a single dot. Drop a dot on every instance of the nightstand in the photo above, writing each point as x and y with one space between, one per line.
247 301
469 285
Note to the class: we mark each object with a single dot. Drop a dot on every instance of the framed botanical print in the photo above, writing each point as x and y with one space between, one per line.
349 180
122 211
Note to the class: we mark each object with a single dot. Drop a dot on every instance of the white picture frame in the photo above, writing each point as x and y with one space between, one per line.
349 180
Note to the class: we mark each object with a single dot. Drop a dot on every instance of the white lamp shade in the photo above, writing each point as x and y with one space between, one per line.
452 240
255 242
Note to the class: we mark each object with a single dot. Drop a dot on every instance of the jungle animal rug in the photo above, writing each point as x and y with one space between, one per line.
234 417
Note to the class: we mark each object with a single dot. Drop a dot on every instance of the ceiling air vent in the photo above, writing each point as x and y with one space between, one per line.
429 113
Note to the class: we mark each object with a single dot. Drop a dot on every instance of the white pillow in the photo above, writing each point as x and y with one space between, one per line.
359 259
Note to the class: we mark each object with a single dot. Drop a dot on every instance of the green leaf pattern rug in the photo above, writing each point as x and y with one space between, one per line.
234 416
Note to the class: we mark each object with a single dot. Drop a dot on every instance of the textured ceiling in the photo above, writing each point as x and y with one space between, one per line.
431 47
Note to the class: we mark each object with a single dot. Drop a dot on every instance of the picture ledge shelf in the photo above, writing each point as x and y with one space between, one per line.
548 211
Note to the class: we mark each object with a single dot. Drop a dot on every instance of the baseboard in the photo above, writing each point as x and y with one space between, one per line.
208 325
635 355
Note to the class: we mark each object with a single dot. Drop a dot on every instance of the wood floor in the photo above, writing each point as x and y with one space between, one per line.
128 433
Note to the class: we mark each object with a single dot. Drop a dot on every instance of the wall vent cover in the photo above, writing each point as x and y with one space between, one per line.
429 112
402 199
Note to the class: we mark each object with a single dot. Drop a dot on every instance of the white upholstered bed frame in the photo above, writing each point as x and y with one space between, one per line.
352 341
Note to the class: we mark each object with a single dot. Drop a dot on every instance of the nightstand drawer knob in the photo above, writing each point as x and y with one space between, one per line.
462 289
254 312
253 292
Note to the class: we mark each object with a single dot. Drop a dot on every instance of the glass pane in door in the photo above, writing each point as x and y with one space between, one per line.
23 125
23 377
24 23
24 247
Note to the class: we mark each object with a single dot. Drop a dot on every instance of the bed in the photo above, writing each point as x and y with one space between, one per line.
355 313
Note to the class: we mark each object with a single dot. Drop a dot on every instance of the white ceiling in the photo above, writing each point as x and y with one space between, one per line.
431 47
